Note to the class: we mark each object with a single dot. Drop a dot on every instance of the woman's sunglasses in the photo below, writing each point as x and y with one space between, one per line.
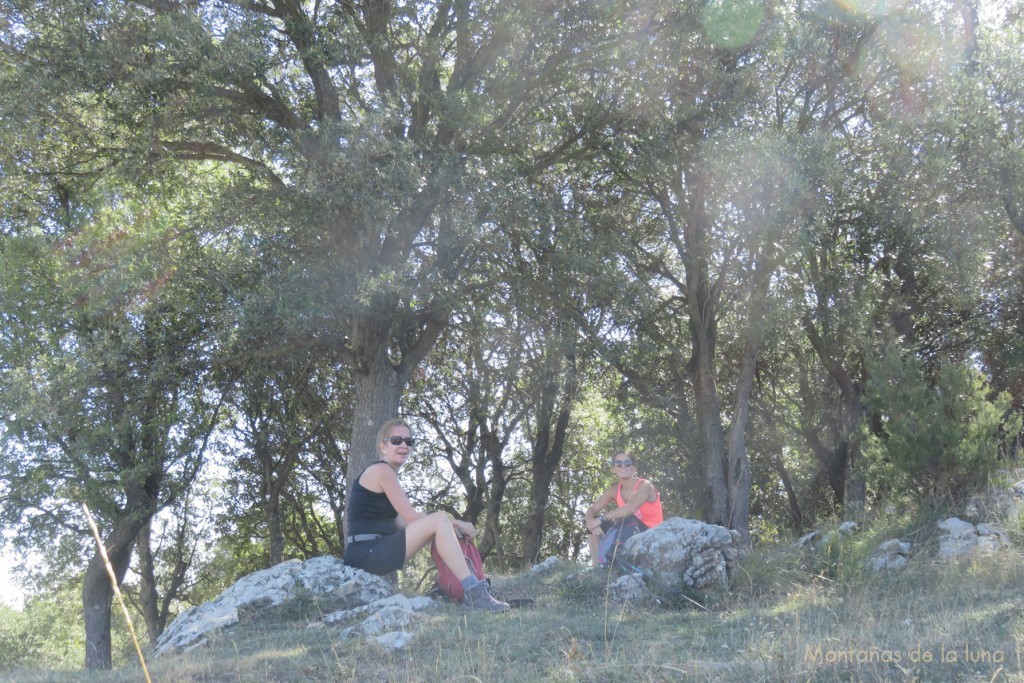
397 440
622 463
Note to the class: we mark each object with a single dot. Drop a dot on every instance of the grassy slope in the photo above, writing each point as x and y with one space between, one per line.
792 616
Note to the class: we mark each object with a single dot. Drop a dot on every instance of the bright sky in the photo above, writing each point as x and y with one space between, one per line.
10 593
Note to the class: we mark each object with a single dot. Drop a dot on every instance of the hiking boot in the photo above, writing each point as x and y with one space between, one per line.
478 597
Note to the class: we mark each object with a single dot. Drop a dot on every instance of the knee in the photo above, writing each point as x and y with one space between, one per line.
437 519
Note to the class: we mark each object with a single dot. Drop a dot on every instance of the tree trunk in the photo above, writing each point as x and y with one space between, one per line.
702 312
739 464
275 532
378 392
378 381
492 522
277 462
548 447
97 592
854 488
738 461
796 514
493 449
148 595
712 440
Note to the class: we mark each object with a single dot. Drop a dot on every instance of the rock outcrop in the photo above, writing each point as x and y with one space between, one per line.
962 538
679 551
893 554
320 577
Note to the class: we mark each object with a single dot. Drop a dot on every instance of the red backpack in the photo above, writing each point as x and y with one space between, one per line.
446 580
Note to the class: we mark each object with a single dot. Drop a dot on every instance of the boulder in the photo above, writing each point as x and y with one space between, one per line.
848 528
630 588
391 622
549 565
963 538
702 556
992 537
322 577
893 554
818 538
806 538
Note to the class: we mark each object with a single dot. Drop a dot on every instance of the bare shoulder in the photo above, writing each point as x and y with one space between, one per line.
645 486
377 473
647 490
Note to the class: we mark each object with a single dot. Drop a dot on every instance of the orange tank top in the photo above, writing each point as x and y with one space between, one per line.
649 513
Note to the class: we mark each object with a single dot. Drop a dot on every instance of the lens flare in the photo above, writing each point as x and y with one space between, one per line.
920 50
731 24
872 8
907 64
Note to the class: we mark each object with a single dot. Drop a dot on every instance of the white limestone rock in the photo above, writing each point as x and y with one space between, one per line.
325 577
703 556
962 538
893 554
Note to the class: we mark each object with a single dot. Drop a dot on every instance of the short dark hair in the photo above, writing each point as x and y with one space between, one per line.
618 453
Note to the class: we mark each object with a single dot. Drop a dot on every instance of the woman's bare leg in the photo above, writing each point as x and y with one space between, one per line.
437 527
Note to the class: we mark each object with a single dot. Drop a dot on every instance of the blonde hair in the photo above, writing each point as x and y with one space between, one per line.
385 429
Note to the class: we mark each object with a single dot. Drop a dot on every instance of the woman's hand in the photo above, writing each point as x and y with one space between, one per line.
463 529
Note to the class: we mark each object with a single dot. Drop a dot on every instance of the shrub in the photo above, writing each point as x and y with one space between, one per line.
933 437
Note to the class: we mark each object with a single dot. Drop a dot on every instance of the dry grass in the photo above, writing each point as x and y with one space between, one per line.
792 616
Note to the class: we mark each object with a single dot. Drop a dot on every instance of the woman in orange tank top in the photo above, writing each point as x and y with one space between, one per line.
634 496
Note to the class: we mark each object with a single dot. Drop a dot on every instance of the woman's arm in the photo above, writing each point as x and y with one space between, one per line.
592 522
381 478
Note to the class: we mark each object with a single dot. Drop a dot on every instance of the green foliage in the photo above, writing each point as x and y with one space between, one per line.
17 647
936 437
832 163
49 632
49 629
841 555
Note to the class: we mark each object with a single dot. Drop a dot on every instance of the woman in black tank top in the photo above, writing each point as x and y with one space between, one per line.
385 530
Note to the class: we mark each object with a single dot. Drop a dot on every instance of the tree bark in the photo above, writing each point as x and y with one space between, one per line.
703 323
492 522
854 488
274 529
493 448
97 592
148 595
715 498
796 514
548 448
738 460
739 463
378 392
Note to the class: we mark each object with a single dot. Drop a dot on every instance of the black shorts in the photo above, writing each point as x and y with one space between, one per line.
632 522
380 556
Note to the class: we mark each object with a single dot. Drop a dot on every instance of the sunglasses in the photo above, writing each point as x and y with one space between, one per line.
622 463
397 440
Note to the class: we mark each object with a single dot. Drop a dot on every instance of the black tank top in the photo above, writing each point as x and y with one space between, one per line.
369 512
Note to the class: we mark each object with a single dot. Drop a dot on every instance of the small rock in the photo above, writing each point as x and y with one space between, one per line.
395 640
848 528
